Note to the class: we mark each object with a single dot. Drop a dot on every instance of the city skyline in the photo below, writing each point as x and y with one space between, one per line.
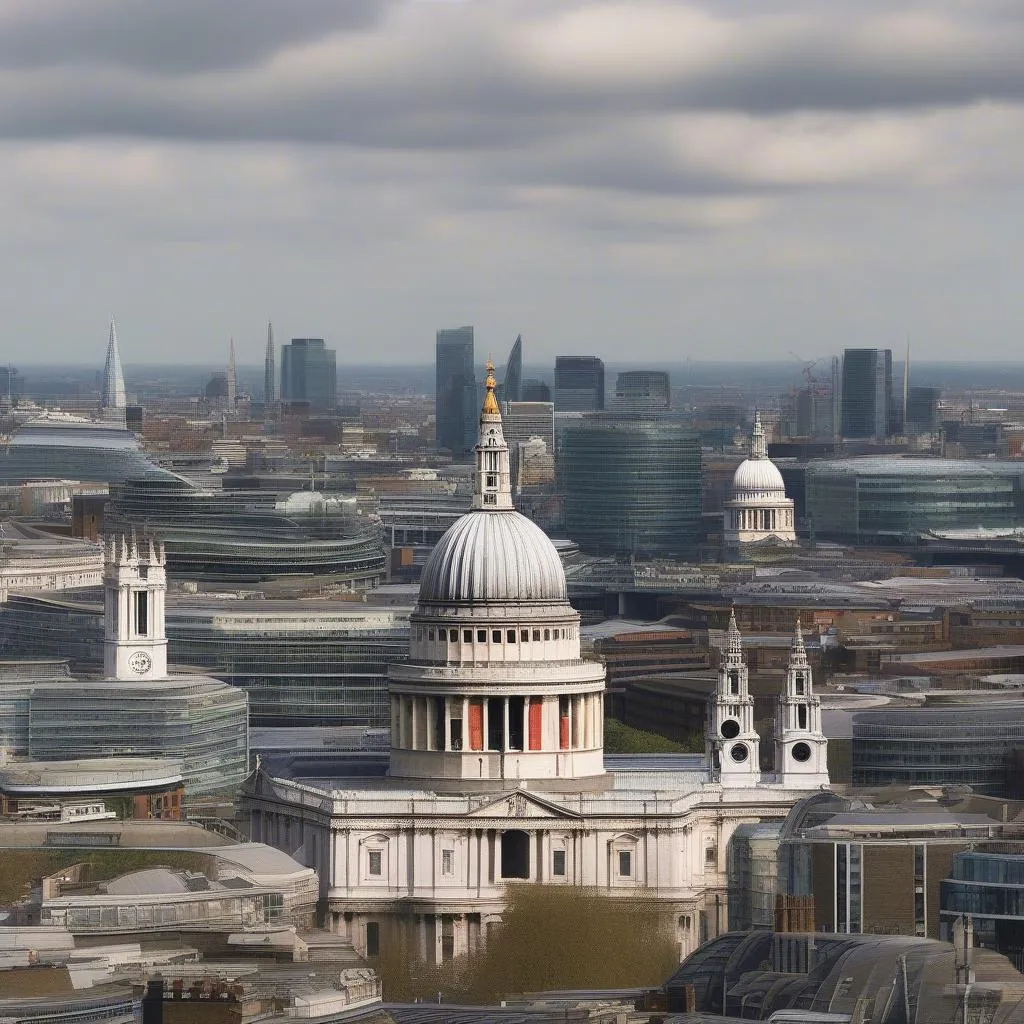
679 178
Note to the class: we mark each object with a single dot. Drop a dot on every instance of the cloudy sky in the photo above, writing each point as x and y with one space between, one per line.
641 179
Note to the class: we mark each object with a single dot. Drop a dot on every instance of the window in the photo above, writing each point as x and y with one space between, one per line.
376 860
430 634
511 635
141 613
447 862
467 636
558 863
495 636
547 634
492 480
625 864
453 635
536 634
524 636
490 499
711 855
481 636
372 938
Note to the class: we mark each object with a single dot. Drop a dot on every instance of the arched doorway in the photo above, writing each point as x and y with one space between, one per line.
515 854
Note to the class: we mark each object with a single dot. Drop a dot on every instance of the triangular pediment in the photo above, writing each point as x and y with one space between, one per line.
520 804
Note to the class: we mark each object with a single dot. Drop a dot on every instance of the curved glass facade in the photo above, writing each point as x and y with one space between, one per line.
950 746
242 536
302 663
631 485
74 449
887 499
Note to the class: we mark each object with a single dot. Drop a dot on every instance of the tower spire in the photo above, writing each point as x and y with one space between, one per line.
758 445
113 399
492 490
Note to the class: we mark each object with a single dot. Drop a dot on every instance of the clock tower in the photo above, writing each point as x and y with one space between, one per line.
134 588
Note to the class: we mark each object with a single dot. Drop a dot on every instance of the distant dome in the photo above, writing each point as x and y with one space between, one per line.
497 557
757 476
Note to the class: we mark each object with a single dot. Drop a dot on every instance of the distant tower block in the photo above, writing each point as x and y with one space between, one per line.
134 589
232 377
733 745
113 400
270 369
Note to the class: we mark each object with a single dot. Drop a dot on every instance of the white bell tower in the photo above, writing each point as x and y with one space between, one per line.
801 759
134 588
733 746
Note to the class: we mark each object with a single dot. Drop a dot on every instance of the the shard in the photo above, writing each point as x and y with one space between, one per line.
113 377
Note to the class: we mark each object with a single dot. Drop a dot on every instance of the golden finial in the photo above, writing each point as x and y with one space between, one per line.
490 402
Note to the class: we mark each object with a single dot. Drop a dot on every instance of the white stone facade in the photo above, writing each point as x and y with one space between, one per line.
497 774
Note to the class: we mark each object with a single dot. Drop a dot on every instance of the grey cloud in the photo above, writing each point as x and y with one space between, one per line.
176 36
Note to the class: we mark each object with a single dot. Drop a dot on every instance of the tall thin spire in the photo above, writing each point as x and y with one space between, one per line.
734 651
113 377
232 376
798 653
492 490
270 369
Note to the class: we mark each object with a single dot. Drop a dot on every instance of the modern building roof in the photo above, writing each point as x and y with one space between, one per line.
917 466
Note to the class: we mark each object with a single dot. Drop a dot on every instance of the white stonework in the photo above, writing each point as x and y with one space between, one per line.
134 590
733 745
759 510
800 745
497 772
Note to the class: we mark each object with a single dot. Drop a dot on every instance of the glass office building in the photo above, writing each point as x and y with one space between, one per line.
867 392
250 536
47 715
889 499
309 375
958 744
70 448
301 663
631 486
579 384
989 887
456 405
643 391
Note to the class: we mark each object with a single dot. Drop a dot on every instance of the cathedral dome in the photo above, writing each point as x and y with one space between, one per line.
757 476
500 557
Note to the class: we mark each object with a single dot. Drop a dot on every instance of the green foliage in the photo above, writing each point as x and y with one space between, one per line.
20 868
552 937
620 738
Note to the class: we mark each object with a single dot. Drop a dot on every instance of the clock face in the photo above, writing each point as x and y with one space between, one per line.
140 662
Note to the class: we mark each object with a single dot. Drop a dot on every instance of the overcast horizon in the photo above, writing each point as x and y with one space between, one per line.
646 181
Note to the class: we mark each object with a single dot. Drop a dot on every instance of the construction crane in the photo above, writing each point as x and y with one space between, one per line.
807 365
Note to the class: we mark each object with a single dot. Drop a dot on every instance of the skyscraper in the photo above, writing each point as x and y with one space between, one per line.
867 392
455 401
232 378
270 369
309 374
511 389
579 384
113 400
643 390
